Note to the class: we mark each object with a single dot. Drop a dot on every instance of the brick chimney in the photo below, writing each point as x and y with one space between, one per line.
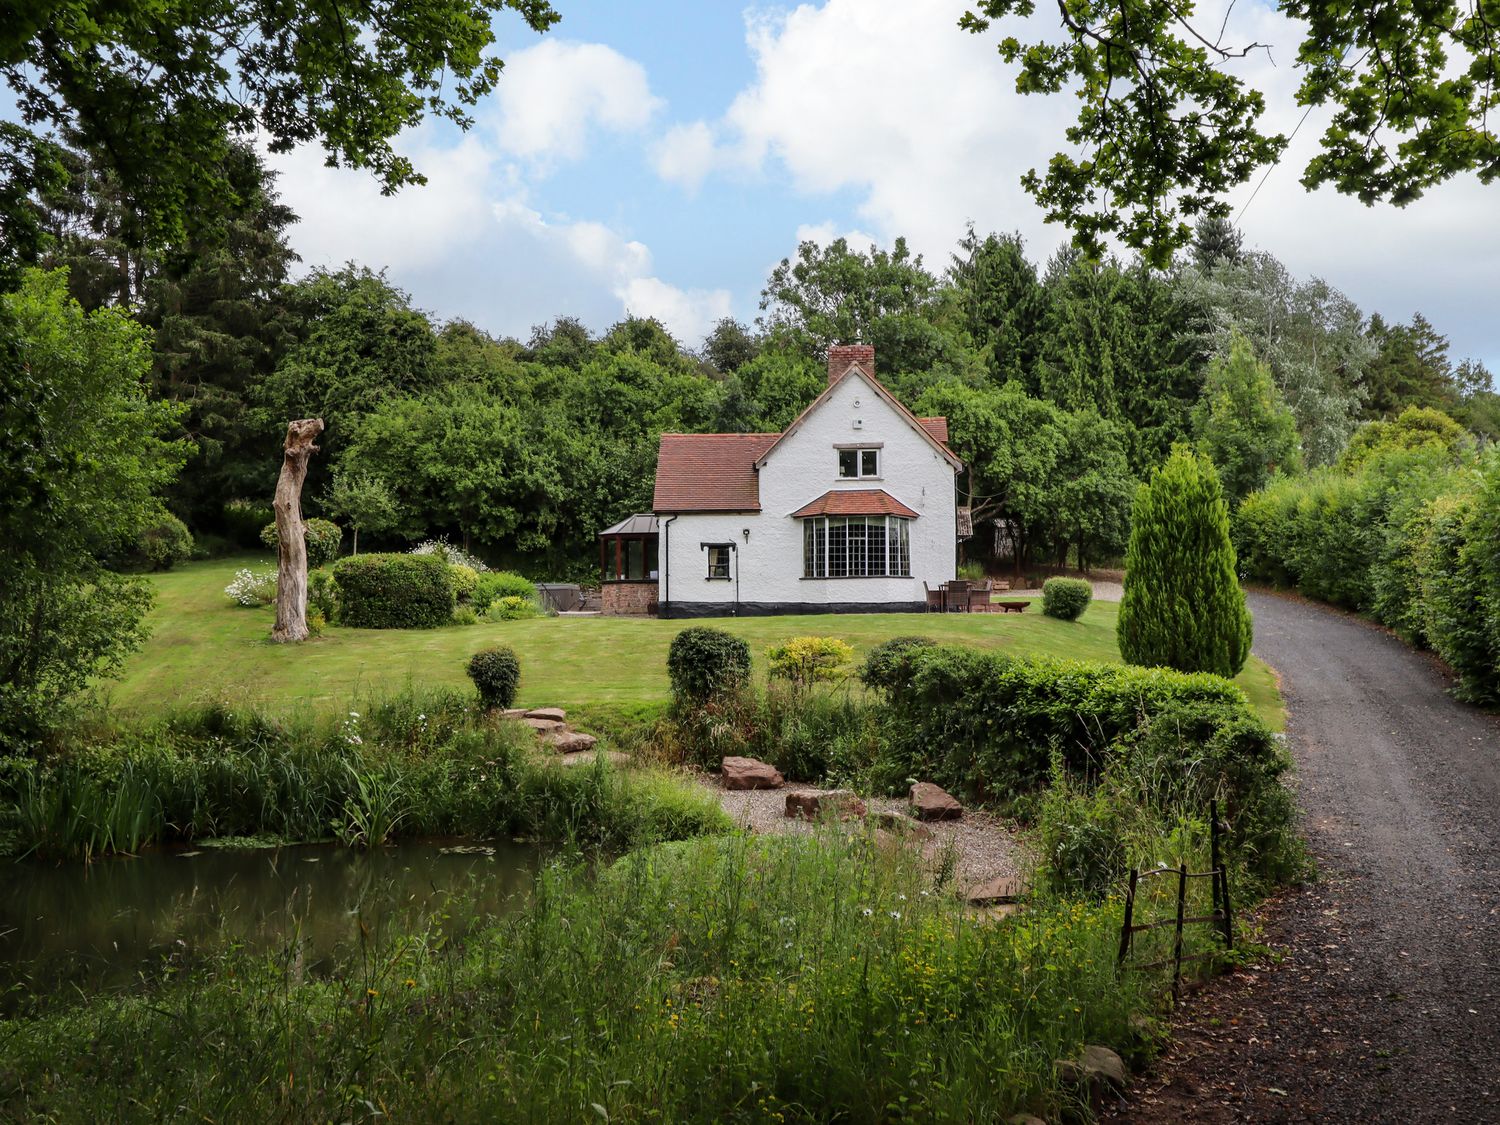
841 357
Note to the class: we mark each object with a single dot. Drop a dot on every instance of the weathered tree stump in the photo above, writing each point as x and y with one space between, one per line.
291 534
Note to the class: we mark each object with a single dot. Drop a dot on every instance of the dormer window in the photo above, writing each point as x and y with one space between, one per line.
859 462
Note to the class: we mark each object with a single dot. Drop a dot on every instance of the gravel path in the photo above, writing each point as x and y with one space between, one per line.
1385 1002
984 845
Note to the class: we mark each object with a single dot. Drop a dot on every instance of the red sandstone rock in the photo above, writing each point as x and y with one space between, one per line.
929 802
748 773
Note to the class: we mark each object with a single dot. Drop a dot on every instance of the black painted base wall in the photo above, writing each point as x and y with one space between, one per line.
775 609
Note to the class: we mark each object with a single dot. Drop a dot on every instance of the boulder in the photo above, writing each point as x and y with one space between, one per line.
557 714
811 804
1000 889
748 773
514 713
928 802
900 824
1097 1070
543 726
571 741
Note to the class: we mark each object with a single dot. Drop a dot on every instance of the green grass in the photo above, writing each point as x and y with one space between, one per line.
736 980
203 647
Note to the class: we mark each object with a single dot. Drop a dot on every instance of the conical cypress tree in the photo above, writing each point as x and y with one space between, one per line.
1183 607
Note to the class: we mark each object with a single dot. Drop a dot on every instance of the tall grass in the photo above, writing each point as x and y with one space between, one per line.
411 764
737 979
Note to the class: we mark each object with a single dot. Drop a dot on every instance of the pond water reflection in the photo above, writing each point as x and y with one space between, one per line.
104 923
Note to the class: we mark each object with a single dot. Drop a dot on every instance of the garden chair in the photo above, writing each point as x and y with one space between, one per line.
958 596
979 598
934 598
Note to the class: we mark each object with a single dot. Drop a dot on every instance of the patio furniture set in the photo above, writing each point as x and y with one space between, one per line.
961 596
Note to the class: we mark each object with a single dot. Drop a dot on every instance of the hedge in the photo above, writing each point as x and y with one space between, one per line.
1408 537
985 724
393 591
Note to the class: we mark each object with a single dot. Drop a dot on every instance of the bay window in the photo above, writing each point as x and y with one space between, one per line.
856 547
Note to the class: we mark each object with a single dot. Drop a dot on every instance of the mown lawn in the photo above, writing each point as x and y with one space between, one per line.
203 647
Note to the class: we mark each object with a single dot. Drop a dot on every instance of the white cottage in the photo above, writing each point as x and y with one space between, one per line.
851 510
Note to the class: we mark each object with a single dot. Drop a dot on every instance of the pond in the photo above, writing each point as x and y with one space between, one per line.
105 923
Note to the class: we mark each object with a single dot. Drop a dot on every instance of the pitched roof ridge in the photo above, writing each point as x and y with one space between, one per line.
884 392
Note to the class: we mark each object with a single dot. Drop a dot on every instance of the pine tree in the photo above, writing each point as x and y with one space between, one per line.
1183 607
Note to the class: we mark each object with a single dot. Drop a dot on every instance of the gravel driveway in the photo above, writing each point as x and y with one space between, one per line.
1386 1006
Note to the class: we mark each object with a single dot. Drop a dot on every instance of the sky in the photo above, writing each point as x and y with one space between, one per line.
660 158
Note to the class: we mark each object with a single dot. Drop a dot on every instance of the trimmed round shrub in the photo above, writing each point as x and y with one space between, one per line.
393 591
1183 607
496 584
496 673
1066 598
882 668
323 538
705 662
165 543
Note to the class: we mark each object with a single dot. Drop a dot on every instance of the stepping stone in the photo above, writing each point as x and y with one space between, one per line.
557 714
571 741
544 726
514 713
929 802
749 773
1000 889
1098 1069
810 804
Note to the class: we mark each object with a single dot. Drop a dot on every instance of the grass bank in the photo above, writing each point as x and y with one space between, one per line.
740 979
202 648
424 763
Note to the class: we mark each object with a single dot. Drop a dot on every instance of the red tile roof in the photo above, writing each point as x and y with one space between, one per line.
937 428
709 472
855 502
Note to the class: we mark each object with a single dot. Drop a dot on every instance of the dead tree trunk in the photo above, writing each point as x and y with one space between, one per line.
291 533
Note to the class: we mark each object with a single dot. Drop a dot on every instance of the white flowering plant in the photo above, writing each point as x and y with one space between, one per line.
252 587
455 556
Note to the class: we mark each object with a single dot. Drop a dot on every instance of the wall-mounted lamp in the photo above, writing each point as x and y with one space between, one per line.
745 531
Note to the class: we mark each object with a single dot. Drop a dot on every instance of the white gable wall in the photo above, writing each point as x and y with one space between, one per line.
801 468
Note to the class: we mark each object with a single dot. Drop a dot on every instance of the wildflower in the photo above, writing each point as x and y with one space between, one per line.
867 912
896 914
354 714
410 983
372 992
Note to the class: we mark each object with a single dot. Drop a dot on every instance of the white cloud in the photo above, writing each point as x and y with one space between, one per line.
554 95
689 314
889 101
827 231
685 154
469 244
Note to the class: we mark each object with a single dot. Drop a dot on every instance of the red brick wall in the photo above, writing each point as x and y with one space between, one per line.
843 356
628 598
